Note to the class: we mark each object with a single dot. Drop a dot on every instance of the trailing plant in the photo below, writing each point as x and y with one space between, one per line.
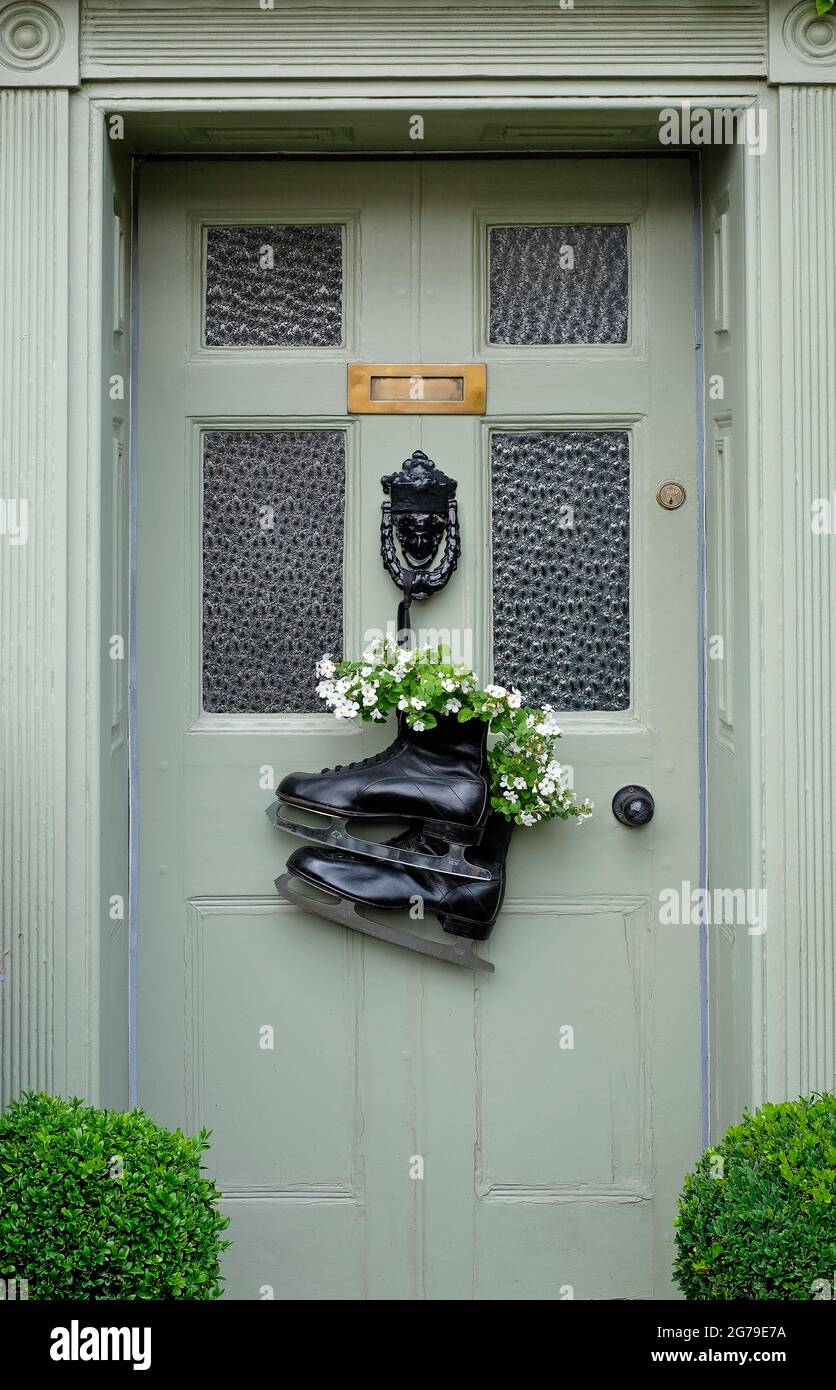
423 686
95 1204
757 1217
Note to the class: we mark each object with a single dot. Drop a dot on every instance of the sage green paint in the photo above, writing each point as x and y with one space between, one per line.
114 654
537 1156
54 817
733 945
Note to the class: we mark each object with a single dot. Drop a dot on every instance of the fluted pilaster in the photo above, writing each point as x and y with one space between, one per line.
808 353
33 421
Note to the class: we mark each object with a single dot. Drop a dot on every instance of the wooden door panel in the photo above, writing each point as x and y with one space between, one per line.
252 978
581 972
543 1167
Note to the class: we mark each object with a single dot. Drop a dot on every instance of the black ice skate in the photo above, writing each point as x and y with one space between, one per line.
465 908
436 779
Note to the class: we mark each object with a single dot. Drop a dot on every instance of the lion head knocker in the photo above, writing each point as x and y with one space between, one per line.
420 510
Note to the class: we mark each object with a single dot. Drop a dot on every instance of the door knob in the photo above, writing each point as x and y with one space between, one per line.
633 806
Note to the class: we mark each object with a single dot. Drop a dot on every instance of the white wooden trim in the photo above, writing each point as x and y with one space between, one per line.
35 633
297 38
48 55
800 987
802 43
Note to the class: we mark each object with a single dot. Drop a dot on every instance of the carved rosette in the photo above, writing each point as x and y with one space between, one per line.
31 35
812 36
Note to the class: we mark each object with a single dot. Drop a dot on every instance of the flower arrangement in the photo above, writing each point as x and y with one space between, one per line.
527 780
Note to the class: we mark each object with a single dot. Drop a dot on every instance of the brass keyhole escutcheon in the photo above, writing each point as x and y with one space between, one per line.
670 496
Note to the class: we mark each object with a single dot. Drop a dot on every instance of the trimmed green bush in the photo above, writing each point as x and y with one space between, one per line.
757 1218
95 1204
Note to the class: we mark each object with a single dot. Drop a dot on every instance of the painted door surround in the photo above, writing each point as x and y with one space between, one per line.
63 1008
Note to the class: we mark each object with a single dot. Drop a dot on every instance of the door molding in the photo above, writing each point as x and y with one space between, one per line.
334 40
635 913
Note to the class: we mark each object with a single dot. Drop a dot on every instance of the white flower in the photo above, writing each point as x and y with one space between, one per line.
514 699
419 726
403 703
418 704
528 819
325 689
549 727
325 667
376 714
365 671
521 783
448 684
511 796
346 709
453 706
496 692
546 787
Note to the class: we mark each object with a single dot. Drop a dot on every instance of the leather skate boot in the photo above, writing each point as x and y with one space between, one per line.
465 909
435 778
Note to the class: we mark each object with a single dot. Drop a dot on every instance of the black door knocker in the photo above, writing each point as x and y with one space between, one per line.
420 510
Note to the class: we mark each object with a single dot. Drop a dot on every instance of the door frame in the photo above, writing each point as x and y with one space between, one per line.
759 1066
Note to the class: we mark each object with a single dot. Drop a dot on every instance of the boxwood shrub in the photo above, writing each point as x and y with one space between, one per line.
757 1217
95 1204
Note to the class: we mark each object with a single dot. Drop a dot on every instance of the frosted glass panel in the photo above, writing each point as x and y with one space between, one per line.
561 566
552 284
273 507
274 286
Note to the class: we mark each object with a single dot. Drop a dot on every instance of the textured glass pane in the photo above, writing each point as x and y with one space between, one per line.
553 284
561 567
274 286
273 504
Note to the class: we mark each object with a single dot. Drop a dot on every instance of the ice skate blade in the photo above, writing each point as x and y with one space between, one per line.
335 833
347 914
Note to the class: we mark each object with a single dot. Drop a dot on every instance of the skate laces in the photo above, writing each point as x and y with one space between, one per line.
361 762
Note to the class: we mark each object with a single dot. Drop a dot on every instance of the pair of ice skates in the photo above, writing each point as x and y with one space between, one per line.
451 857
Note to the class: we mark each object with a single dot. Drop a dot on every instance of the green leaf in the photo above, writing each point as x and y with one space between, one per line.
761 1226
822 6
73 1232
523 788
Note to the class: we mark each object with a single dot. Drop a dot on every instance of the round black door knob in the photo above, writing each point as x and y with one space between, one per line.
633 806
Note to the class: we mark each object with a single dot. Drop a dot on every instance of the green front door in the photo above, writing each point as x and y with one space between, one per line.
388 1126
